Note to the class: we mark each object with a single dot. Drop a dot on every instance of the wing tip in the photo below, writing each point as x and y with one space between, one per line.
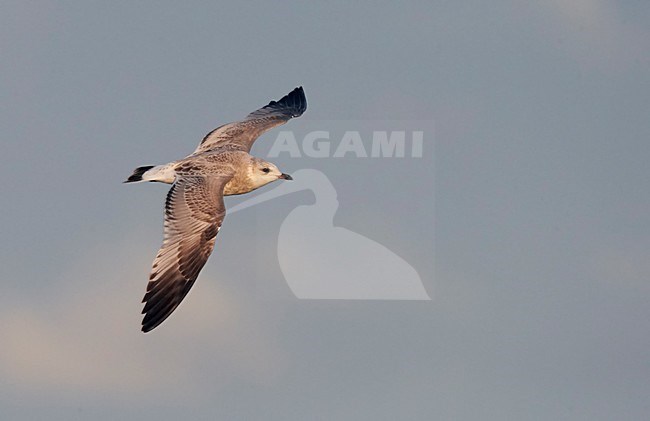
294 100
300 100
153 319
147 325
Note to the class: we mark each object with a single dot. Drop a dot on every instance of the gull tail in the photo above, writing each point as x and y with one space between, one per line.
160 173
138 173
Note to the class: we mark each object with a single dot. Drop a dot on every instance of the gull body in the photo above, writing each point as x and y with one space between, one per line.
248 172
194 210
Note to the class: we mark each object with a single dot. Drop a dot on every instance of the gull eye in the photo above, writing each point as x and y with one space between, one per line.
265 170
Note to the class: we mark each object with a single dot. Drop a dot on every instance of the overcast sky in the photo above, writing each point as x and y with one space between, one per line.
536 198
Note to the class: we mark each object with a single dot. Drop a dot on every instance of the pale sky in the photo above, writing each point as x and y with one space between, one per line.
535 200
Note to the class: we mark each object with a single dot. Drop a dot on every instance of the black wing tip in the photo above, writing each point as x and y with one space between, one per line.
153 320
154 315
294 101
148 327
158 308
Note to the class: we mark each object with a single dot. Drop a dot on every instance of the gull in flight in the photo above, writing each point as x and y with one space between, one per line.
194 210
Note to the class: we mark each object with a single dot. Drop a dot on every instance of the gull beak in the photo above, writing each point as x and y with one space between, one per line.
285 176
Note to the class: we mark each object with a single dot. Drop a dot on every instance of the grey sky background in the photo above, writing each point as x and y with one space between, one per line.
539 282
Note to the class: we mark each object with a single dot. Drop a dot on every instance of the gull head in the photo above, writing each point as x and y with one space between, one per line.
262 172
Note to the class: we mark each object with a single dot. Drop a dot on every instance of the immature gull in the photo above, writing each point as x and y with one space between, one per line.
194 209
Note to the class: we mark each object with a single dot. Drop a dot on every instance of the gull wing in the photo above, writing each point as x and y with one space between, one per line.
242 134
194 211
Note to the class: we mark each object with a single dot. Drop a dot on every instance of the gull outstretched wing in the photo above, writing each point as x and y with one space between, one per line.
242 134
194 212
